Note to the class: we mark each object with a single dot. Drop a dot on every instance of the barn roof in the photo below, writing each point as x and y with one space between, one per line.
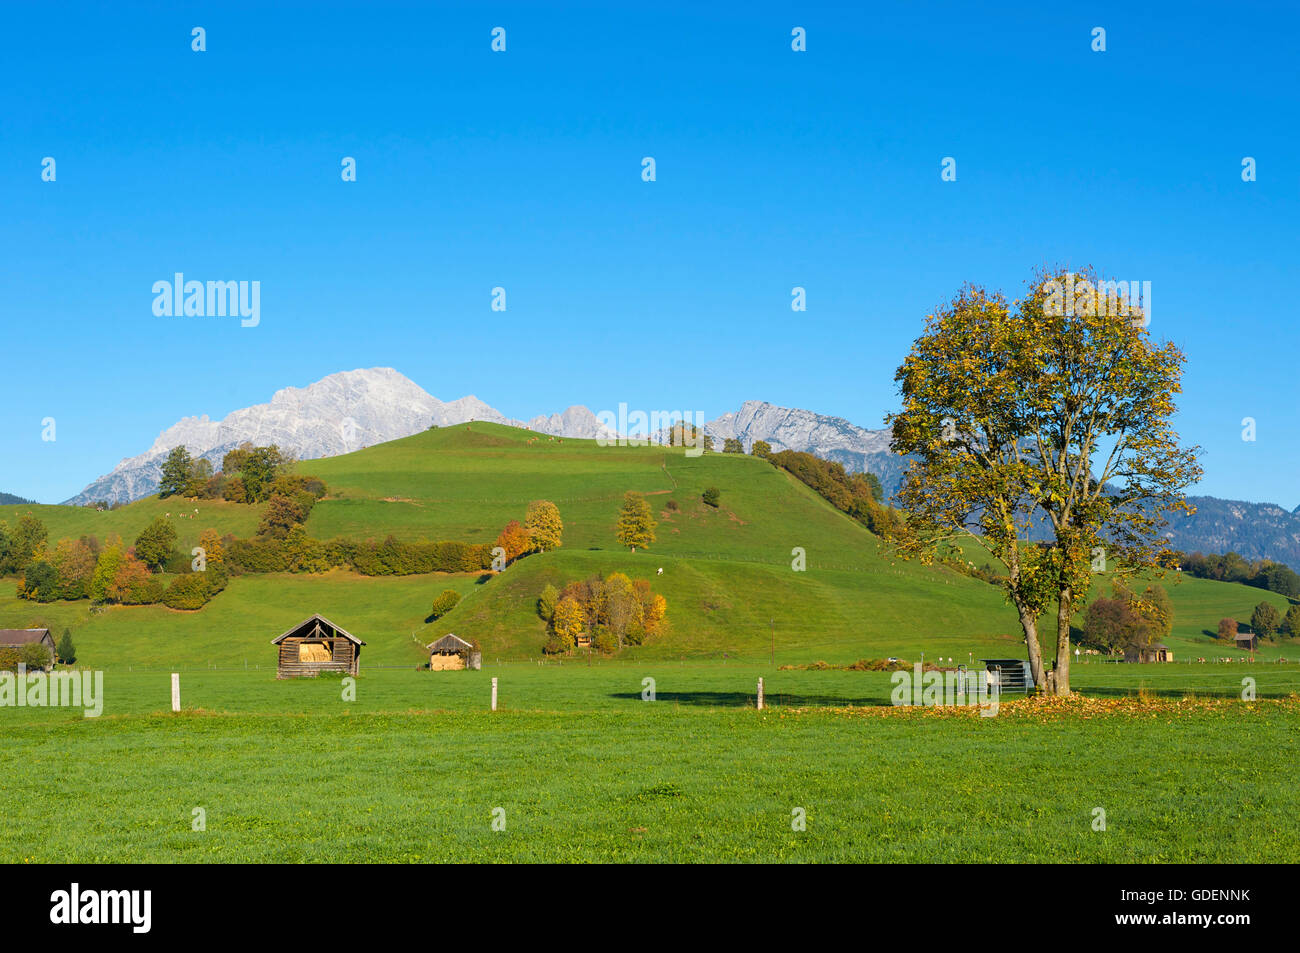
11 637
1244 635
449 643
338 630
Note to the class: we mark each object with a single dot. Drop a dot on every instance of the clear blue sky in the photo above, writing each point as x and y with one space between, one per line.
522 169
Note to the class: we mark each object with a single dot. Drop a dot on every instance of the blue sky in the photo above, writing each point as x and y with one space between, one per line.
522 169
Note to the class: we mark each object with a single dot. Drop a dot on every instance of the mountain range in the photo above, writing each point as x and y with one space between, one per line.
350 410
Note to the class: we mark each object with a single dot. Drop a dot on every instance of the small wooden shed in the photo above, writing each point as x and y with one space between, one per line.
452 653
13 640
1247 641
317 645
1156 652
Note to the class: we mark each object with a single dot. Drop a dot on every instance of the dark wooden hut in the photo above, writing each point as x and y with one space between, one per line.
1247 641
317 645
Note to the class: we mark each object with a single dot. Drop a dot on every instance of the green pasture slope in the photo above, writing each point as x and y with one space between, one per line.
585 770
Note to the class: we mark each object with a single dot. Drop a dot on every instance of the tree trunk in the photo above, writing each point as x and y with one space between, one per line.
1063 641
1029 622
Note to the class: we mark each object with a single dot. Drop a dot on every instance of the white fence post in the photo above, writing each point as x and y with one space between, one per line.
760 694
494 693
176 691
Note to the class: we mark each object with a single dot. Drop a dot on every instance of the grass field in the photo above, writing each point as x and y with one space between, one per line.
585 770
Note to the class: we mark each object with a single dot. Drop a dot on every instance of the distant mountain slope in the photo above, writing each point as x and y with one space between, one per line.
1253 530
577 422
338 414
354 409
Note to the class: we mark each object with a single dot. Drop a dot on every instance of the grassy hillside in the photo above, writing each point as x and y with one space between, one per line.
727 571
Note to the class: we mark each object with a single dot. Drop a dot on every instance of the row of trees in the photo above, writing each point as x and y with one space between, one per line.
249 474
1231 567
1265 622
114 573
858 494
612 611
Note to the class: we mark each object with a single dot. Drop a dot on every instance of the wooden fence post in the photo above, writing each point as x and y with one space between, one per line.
176 691
494 693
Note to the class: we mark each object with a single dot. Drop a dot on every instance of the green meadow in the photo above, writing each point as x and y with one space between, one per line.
412 767
580 768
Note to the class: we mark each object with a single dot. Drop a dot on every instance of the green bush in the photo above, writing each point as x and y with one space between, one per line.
189 591
444 603
35 655
67 652
711 496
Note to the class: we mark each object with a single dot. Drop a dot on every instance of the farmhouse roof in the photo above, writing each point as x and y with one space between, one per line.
450 643
1247 636
338 630
12 637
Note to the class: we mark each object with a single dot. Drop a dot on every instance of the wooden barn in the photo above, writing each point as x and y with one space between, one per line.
452 653
1247 641
317 645
13 641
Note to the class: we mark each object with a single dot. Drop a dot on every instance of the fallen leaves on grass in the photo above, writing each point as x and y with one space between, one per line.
1079 707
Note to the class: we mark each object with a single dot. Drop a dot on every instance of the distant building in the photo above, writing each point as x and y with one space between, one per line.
15 639
1156 652
1247 641
452 653
317 645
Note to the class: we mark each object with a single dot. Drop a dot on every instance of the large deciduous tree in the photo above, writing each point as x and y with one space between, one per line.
545 528
636 526
1049 416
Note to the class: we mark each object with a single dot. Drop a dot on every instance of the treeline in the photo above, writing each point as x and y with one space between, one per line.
114 573
857 494
110 572
297 552
248 474
1230 567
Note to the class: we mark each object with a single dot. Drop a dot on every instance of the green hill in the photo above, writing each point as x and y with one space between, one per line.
727 575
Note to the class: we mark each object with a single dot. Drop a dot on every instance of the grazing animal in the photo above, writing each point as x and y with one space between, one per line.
660 572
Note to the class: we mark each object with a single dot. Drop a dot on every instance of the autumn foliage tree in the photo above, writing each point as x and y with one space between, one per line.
514 539
545 528
1052 412
636 525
